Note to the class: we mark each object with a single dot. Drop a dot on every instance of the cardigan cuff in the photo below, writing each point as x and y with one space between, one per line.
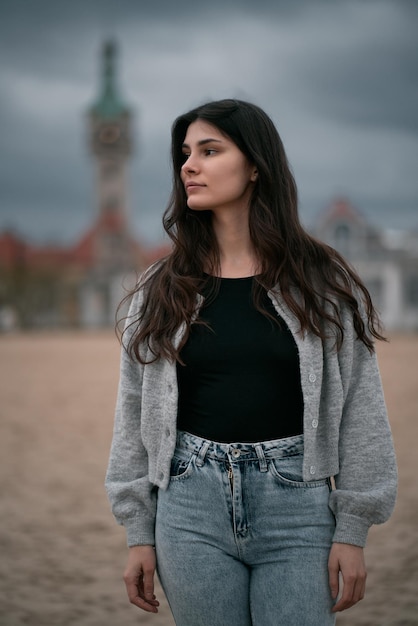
351 529
139 533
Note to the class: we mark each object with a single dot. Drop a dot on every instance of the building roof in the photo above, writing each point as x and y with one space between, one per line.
341 210
16 253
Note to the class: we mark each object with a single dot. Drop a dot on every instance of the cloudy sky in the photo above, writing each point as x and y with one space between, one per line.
338 77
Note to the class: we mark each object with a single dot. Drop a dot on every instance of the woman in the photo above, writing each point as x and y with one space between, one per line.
252 450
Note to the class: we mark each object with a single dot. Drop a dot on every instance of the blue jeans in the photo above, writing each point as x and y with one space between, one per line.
241 540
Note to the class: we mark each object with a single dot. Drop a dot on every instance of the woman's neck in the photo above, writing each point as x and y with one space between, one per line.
237 255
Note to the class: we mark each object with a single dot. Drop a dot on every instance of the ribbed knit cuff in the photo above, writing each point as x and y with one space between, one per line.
138 533
351 529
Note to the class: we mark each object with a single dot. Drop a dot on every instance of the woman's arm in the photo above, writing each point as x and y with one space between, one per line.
366 483
128 487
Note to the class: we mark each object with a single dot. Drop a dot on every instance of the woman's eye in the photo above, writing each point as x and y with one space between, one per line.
210 151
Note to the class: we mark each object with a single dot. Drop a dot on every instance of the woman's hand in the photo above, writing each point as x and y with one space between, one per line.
139 578
349 560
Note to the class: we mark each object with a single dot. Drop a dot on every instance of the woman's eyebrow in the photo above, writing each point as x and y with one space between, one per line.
203 142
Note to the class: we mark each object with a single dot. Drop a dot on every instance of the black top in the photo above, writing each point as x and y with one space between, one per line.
241 379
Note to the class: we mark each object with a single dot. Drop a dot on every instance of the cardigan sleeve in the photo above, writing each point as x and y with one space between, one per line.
132 497
366 483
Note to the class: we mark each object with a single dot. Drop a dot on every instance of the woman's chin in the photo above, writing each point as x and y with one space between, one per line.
195 206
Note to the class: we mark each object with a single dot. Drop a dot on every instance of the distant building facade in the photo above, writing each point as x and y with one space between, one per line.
388 267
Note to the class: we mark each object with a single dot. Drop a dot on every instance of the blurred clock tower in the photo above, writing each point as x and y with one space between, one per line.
114 255
111 146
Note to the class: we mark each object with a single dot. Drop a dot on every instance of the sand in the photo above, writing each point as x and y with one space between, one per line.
61 553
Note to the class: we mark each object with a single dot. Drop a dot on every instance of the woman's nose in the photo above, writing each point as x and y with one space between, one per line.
189 165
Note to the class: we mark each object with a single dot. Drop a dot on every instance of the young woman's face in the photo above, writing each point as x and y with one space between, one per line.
215 174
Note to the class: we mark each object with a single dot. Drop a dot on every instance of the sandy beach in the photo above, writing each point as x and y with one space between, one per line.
61 553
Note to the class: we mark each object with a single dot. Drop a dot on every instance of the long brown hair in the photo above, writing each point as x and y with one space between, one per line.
288 256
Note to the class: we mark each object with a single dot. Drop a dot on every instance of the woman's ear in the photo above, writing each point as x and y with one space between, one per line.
254 175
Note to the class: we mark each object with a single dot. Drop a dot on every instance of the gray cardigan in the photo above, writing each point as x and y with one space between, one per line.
346 432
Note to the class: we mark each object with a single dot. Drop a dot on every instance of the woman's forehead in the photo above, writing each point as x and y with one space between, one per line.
200 130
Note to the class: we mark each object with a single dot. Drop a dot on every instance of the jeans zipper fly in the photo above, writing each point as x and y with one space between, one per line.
231 476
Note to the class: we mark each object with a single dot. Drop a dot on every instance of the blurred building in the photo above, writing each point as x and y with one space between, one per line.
387 262
44 287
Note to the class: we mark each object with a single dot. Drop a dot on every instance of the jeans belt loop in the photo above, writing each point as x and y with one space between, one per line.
200 459
261 457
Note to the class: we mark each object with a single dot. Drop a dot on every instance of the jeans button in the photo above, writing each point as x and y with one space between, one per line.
236 453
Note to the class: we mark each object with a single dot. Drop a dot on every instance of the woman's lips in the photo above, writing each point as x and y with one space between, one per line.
193 185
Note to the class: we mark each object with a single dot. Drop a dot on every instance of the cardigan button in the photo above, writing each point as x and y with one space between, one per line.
312 378
312 470
314 423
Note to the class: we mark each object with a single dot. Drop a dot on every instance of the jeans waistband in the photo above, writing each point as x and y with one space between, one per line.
238 452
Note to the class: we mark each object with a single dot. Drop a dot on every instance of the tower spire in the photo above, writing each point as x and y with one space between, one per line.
109 105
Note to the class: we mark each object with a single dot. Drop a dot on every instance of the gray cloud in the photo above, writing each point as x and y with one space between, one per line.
370 77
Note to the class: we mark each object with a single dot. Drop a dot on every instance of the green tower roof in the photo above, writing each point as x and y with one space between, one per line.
109 105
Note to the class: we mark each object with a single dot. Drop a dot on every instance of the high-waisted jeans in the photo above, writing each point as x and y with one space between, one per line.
241 539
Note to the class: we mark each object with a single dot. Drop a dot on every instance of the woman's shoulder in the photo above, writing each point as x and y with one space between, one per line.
150 271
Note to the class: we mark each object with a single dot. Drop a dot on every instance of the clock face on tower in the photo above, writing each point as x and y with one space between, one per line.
109 134
110 137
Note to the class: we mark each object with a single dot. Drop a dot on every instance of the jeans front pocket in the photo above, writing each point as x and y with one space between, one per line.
288 470
181 465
